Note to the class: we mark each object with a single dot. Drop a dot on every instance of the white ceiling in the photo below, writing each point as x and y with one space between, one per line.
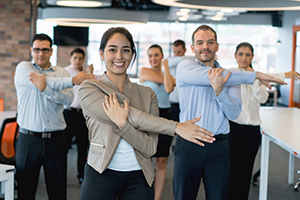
244 12
258 5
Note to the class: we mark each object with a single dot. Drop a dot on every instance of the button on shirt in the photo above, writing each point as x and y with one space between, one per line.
42 111
73 72
197 97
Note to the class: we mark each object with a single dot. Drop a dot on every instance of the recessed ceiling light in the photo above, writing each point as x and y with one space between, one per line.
182 14
183 18
219 14
185 10
227 10
79 3
217 18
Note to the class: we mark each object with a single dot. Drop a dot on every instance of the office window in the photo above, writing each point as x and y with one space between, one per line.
262 37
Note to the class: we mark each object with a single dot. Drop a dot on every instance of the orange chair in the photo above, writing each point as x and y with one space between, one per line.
8 134
1 104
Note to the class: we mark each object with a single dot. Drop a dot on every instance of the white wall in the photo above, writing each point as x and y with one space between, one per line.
284 59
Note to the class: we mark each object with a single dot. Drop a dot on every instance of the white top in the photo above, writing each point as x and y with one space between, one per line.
73 72
252 97
124 158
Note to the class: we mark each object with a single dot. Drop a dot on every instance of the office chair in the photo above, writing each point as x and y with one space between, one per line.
255 177
297 184
8 134
1 104
271 98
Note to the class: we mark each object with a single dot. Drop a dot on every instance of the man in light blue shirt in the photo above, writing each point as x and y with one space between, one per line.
42 91
207 90
179 50
179 54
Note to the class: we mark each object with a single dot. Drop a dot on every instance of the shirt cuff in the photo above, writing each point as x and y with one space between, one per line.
48 91
68 82
250 77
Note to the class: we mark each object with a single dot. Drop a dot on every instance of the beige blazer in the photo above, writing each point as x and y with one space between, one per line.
141 128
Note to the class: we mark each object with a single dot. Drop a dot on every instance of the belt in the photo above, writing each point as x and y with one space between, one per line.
79 110
221 136
42 134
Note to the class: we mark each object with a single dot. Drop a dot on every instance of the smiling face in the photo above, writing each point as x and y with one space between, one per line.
244 57
205 46
155 57
117 55
41 58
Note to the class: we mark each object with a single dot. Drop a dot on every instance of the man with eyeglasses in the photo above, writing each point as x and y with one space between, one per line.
42 91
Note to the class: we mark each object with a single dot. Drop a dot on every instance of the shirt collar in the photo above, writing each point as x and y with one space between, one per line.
51 68
203 65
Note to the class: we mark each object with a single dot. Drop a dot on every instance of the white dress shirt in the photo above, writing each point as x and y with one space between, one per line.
73 72
252 97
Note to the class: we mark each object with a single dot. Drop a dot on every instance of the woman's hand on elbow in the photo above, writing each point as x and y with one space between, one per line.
193 133
115 111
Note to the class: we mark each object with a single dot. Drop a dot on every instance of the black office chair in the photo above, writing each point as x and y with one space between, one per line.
255 178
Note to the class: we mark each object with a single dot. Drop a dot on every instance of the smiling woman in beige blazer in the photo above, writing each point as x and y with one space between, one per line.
124 137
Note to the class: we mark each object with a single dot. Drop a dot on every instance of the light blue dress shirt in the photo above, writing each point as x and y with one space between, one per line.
42 111
161 94
173 62
197 97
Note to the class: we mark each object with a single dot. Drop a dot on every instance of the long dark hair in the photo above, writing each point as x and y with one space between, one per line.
111 31
245 44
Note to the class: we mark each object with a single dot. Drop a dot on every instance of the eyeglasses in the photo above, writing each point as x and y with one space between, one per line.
38 50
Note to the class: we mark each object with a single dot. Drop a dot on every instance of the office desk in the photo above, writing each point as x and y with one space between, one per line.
7 181
281 126
6 114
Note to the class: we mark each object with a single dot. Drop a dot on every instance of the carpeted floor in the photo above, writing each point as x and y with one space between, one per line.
278 188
